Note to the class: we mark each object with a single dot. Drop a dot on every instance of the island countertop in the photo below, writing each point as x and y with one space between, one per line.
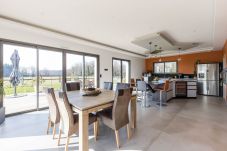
185 79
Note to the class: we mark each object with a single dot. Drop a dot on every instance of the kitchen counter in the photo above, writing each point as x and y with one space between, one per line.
185 79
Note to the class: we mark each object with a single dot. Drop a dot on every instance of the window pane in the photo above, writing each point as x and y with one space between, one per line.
50 73
116 72
90 71
170 67
125 72
159 67
74 68
19 77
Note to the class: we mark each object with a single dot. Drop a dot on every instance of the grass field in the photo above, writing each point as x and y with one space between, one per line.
28 84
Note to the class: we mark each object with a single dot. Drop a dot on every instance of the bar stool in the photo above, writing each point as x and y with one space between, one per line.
142 86
163 91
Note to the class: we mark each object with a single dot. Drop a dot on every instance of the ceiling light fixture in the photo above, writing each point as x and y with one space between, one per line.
179 58
160 48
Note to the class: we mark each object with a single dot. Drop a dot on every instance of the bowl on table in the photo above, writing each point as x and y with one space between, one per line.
91 91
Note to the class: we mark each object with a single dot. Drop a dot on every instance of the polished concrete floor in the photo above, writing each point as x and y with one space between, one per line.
184 125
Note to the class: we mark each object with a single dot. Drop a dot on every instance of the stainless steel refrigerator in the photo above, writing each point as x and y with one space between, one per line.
208 79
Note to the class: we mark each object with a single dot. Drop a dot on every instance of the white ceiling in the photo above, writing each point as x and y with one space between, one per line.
119 22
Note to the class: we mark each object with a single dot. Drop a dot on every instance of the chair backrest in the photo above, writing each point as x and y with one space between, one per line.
120 107
122 86
65 112
138 80
141 86
166 85
108 85
72 86
54 114
132 82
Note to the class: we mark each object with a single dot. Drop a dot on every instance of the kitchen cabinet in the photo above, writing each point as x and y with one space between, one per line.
185 88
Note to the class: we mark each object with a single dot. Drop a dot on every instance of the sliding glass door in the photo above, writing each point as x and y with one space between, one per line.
125 71
50 73
19 78
90 71
82 69
28 69
74 68
120 71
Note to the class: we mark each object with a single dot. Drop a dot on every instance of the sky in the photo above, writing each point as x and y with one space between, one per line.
48 59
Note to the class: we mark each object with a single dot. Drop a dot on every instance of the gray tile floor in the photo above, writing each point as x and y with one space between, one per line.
184 125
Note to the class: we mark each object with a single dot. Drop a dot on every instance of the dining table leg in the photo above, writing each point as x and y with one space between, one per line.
83 131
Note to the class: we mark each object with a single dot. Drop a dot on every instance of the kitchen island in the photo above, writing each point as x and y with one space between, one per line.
184 88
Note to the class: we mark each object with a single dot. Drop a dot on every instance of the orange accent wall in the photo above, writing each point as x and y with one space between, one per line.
225 55
187 63
225 66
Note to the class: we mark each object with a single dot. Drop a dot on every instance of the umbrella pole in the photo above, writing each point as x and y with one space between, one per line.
15 91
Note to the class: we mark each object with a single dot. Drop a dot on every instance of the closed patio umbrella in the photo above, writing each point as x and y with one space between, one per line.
15 75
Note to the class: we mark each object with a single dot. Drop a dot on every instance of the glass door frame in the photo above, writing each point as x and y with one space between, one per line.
9 42
38 47
121 60
82 54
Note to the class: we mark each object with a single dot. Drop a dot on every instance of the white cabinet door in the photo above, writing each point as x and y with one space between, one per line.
191 93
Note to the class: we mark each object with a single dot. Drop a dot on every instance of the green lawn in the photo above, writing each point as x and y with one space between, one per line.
28 85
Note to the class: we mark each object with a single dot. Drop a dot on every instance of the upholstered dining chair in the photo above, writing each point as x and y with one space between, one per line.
69 123
72 86
122 86
54 115
108 86
132 82
117 117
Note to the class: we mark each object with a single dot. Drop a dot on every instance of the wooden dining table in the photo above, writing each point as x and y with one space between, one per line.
84 105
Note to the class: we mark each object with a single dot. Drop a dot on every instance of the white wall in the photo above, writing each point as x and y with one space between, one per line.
15 31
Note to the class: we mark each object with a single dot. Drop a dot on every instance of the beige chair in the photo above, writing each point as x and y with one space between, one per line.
117 117
54 115
69 124
108 86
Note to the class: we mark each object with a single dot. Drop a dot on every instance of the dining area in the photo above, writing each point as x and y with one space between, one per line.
71 123
72 111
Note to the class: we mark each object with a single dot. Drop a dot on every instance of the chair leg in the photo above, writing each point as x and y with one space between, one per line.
48 126
95 129
54 131
117 138
128 131
59 138
67 143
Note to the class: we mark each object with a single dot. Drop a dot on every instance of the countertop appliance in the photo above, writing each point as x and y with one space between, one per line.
208 79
